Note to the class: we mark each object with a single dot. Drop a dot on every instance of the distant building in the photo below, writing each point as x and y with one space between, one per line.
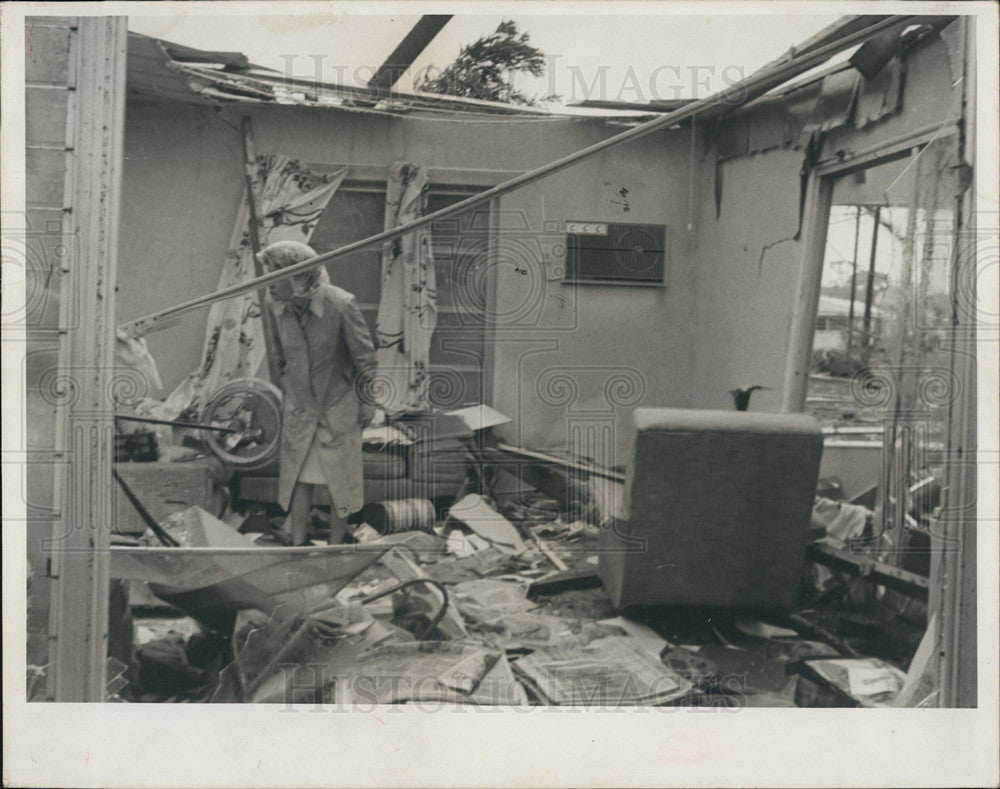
832 319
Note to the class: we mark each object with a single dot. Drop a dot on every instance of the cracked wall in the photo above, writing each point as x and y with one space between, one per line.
747 264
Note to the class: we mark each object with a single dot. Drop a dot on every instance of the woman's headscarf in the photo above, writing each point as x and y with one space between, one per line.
282 254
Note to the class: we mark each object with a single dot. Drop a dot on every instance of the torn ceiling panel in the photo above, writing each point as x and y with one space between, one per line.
150 75
834 104
793 116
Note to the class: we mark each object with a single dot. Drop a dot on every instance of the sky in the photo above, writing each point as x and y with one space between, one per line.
615 57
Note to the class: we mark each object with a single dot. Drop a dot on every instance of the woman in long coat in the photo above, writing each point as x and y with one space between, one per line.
329 359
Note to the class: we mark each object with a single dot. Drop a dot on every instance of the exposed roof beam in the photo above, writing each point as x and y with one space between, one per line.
407 51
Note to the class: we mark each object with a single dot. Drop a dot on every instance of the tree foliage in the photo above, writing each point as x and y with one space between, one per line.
485 69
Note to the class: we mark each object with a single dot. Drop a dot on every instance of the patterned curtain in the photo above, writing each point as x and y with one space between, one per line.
407 310
290 200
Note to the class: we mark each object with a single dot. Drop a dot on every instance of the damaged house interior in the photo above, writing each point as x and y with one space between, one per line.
347 393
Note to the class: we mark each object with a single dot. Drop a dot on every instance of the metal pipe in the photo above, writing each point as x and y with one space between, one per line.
755 85
248 550
854 281
870 285
174 423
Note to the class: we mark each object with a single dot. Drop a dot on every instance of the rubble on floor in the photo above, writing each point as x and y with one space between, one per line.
501 604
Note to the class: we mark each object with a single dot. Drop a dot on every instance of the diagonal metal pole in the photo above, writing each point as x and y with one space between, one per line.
741 93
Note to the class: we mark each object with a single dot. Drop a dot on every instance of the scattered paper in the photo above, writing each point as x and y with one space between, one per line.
480 517
921 684
488 599
479 417
466 675
531 630
645 636
608 672
753 627
860 677
462 544
397 673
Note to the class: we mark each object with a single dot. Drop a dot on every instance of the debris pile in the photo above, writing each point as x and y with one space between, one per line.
496 600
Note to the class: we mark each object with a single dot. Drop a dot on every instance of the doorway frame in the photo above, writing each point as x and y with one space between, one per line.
819 196
953 599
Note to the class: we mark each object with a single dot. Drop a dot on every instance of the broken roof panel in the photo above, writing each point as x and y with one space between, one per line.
151 75
161 70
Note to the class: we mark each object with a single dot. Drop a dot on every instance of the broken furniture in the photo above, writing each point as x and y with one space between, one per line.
214 571
719 505
869 567
165 488
422 457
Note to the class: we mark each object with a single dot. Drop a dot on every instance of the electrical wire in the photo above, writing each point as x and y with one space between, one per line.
435 621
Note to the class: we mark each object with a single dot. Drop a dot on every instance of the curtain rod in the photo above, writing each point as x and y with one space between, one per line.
746 90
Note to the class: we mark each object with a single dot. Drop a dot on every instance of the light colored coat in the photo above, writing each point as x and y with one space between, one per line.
324 355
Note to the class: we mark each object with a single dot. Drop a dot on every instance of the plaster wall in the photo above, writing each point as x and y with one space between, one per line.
748 266
569 361
622 345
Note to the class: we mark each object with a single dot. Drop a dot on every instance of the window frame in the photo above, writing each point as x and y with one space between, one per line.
617 283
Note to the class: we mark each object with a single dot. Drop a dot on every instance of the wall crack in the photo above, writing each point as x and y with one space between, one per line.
763 251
